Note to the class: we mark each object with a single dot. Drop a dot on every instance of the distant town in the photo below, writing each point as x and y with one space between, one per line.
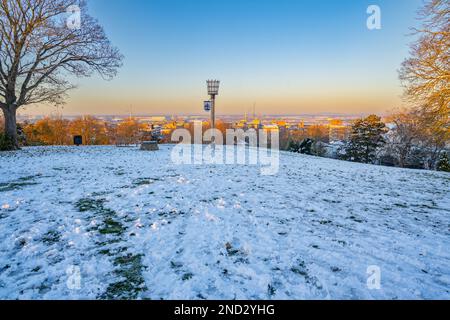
324 127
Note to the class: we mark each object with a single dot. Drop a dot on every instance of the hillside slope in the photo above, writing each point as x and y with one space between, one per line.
132 224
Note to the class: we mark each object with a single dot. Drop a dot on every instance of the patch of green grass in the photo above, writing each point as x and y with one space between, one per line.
4 268
230 250
97 206
142 182
300 269
107 242
271 290
36 269
112 227
356 219
105 252
128 259
187 276
29 178
99 193
16 185
332 201
133 275
88 204
44 287
51 237
19 183
426 206
175 265
122 290
335 269
172 213
112 252
130 269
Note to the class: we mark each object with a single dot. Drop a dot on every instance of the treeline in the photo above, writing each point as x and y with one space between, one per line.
408 139
59 131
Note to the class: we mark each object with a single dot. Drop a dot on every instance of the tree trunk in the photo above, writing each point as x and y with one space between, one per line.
11 125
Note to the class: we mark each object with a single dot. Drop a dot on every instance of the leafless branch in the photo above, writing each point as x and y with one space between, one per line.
38 50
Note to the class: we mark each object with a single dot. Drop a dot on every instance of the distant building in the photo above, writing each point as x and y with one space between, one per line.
270 127
255 124
338 130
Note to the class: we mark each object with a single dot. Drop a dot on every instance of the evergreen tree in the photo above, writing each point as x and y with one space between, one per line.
293 146
306 146
443 163
365 139
5 142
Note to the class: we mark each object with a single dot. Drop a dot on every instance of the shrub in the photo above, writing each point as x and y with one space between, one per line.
5 142
443 164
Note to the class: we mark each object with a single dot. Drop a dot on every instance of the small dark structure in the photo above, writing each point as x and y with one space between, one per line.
77 140
149 146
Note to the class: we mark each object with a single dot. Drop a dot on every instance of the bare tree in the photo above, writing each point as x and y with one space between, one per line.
416 138
426 78
404 136
426 73
38 50
434 135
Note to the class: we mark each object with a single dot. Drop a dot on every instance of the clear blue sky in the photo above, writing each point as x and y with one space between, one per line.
287 56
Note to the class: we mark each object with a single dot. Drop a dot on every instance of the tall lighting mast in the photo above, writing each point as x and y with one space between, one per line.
213 91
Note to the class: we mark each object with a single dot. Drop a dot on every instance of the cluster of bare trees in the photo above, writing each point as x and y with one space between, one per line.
38 50
59 131
422 132
426 73
416 138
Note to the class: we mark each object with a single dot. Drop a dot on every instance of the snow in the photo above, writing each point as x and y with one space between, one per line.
111 223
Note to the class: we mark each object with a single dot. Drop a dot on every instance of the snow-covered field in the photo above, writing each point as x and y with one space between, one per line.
112 223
